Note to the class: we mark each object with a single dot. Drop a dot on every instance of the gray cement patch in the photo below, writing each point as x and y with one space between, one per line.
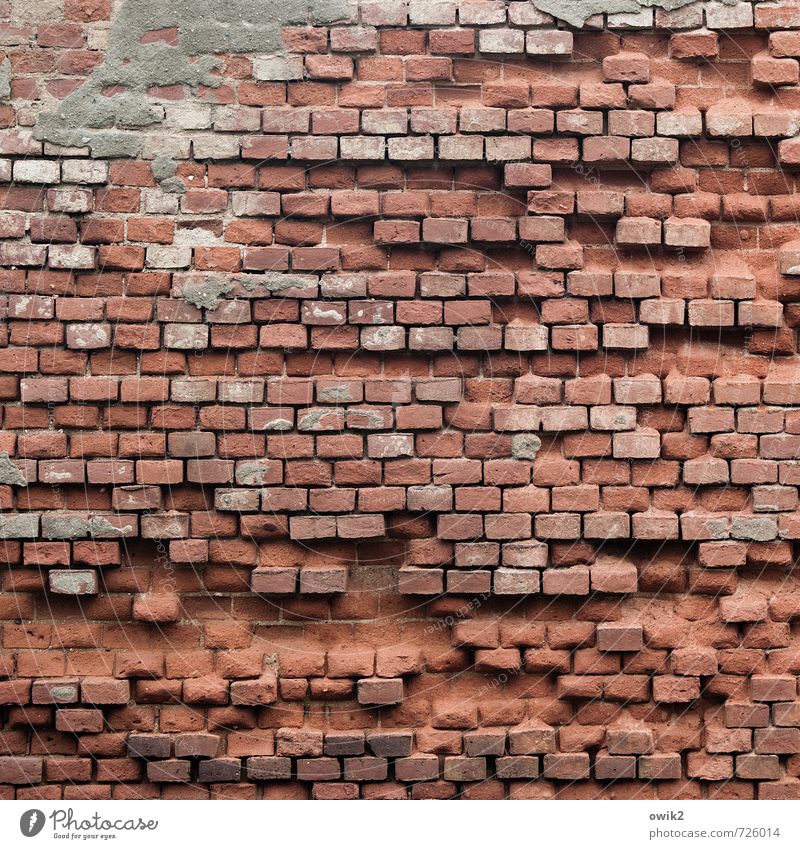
164 170
576 12
156 43
5 79
207 295
10 474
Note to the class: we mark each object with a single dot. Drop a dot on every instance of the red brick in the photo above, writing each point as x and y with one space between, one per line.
478 347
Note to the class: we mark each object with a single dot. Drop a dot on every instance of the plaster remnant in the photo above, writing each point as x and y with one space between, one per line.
19 525
252 474
314 418
116 97
34 13
73 582
5 79
277 424
576 12
196 237
320 313
170 529
383 335
207 295
10 474
164 169
336 395
62 693
272 68
525 446
372 419
64 527
99 526
276 282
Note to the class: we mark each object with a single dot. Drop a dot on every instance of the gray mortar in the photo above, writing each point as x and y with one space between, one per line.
335 395
10 474
97 114
67 582
64 527
207 295
207 292
101 527
251 474
374 419
35 13
5 79
525 446
754 528
275 282
63 693
278 424
94 113
164 168
19 525
313 418
576 12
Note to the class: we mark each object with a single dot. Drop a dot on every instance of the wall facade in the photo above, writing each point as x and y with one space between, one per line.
399 399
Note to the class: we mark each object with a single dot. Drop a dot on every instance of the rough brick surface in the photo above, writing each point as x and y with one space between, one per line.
400 403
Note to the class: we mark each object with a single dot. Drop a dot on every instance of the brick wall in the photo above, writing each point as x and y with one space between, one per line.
410 411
